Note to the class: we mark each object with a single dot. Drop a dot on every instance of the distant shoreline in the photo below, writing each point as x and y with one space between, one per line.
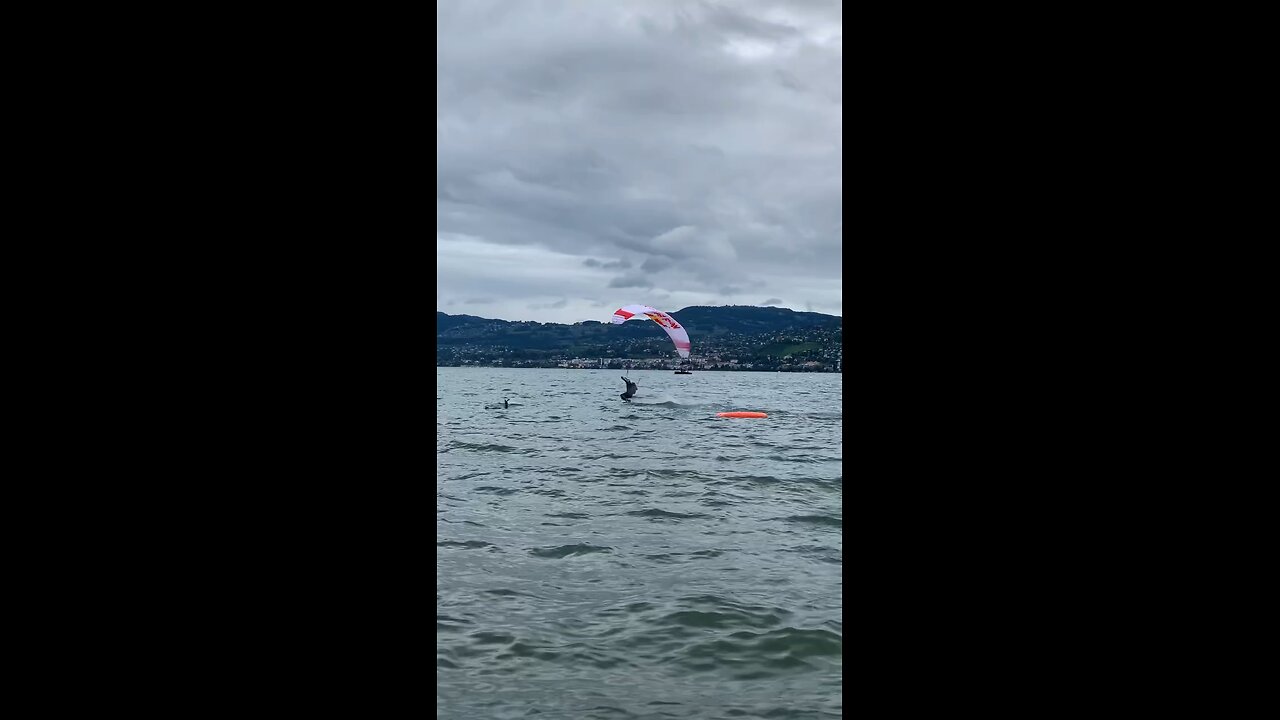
670 370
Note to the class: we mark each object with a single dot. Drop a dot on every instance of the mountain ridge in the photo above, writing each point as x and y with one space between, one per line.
691 317
748 335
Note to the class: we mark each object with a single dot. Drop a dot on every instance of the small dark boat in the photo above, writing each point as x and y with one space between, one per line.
683 372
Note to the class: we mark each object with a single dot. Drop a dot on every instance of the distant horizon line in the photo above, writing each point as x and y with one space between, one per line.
606 320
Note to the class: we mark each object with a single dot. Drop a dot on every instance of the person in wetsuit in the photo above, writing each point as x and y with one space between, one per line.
631 390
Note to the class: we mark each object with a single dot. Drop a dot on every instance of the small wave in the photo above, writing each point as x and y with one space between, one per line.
816 519
445 623
762 479
713 611
466 544
667 558
629 609
497 490
504 592
800 643
662 557
491 638
659 513
481 447
704 619
521 649
461 522
564 551
761 655
819 552
801 458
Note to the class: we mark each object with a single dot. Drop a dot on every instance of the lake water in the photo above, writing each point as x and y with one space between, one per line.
602 559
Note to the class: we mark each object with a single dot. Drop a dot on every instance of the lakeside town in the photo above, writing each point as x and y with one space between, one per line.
816 349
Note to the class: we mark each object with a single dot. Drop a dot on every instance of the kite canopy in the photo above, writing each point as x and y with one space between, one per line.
642 312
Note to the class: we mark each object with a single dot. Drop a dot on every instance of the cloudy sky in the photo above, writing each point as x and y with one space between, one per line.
592 154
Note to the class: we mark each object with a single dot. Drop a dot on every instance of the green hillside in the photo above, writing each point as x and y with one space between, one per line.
746 337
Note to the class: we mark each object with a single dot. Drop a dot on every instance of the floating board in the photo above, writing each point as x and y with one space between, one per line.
742 414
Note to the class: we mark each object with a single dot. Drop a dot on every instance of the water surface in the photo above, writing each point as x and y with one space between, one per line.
602 559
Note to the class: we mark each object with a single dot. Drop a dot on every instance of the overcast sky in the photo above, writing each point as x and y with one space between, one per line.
592 154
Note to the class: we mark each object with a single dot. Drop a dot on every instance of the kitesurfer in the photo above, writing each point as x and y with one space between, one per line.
631 390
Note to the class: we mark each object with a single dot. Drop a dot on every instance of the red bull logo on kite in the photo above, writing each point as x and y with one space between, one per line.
664 321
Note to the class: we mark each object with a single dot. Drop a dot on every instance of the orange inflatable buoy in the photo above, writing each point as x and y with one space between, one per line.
742 414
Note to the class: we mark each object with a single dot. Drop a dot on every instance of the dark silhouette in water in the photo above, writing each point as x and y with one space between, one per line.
632 389
495 407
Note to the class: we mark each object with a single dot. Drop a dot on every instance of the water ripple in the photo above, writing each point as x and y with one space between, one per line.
658 513
563 551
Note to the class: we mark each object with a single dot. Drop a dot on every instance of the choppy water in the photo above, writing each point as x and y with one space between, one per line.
597 559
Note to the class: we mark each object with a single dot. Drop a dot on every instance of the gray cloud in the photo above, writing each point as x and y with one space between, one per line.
630 281
614 265
701 141
656 264
771 301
